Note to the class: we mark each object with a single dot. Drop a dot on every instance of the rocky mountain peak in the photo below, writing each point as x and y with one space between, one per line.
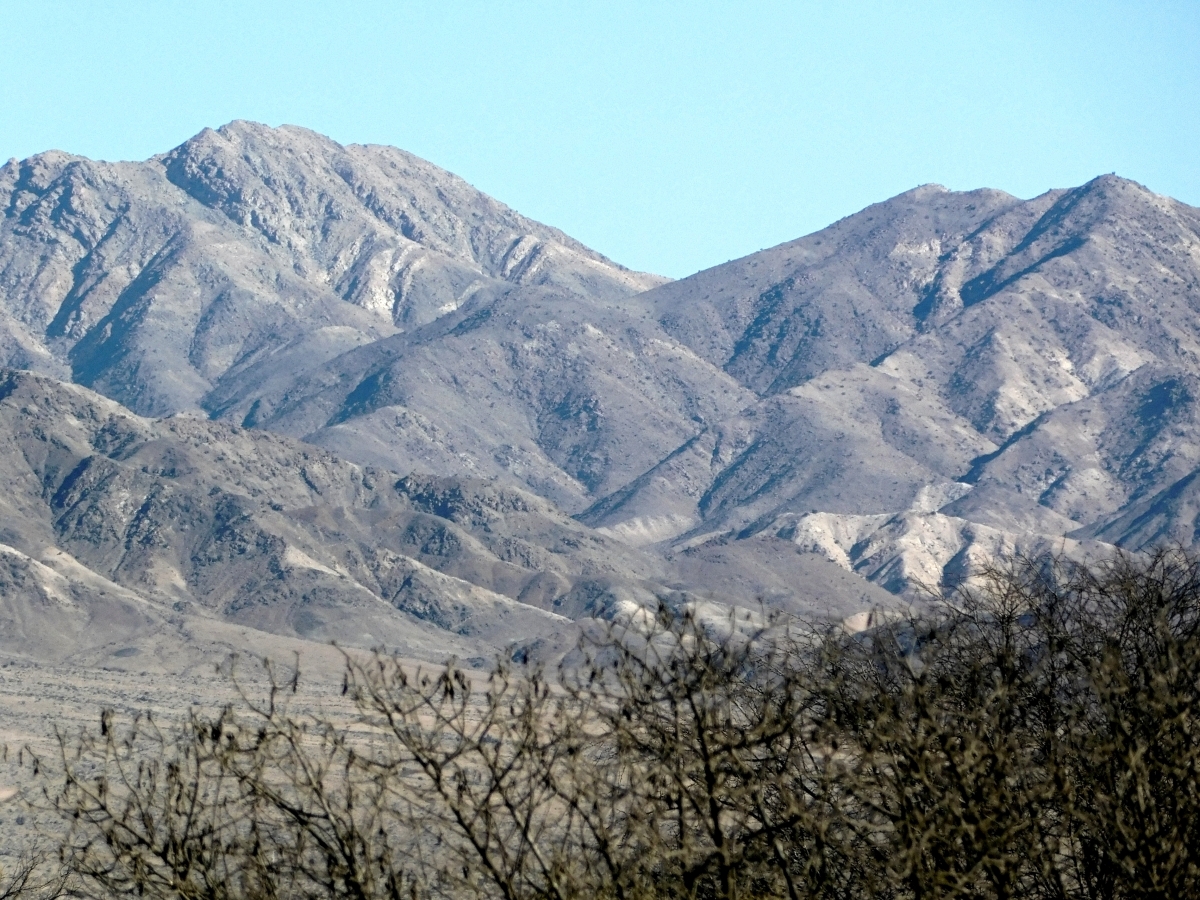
321 199
155 281
941 376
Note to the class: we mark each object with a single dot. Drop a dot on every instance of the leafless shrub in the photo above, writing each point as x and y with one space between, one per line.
154 814
32 875
1035 738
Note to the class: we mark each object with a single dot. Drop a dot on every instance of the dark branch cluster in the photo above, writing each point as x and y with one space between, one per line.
1037 738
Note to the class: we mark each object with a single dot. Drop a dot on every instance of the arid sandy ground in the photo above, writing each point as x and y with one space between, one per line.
40 701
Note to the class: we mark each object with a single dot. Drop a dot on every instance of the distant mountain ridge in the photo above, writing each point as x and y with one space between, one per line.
940 339
937 378
155 281
116 528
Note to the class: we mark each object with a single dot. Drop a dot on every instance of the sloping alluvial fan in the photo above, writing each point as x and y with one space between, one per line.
937 378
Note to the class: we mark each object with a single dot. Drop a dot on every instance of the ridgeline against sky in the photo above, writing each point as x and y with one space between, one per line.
670 138
882 404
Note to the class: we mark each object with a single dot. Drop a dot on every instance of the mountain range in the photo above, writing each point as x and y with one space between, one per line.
337 393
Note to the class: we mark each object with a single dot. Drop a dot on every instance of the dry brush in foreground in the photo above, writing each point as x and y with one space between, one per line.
1036 738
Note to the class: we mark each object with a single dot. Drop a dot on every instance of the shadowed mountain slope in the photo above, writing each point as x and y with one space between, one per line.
1024 370
156 282
112 525
938 377
181 517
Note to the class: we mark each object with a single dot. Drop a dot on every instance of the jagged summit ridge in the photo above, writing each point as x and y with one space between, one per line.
1027 364
154 281
1039 351
276 181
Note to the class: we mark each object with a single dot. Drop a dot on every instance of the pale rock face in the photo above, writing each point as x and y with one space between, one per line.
1041 352
156 282
937 378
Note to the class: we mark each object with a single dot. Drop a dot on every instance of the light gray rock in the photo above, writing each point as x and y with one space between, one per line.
1042 353
157 282
113 524
938 377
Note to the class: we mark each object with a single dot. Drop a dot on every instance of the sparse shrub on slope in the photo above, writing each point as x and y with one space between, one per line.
1037 739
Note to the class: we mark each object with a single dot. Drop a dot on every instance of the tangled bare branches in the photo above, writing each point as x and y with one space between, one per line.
1036 738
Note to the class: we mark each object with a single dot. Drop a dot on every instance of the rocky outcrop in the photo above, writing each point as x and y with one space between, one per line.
1031 365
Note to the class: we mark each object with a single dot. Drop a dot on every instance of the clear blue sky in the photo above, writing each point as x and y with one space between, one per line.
670 136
